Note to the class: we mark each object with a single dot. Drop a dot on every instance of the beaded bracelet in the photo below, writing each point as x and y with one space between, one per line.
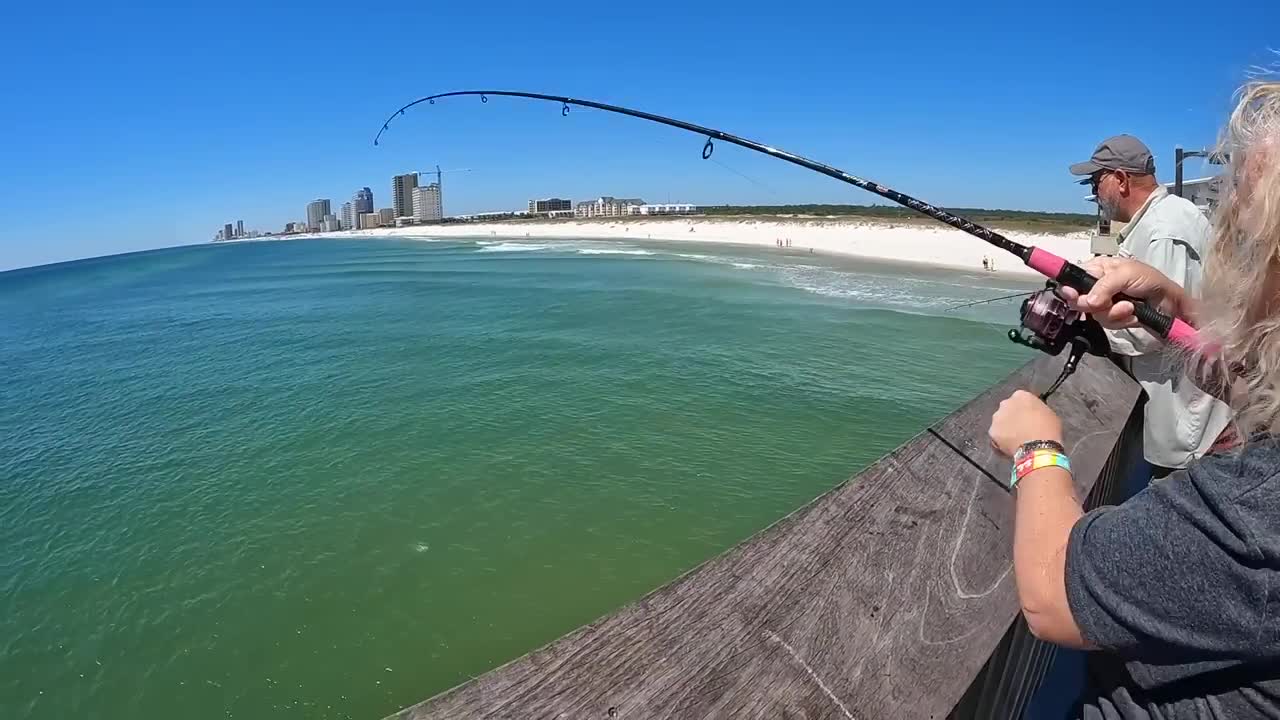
1036 460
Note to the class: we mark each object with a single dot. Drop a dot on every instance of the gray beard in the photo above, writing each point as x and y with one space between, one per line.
1108 209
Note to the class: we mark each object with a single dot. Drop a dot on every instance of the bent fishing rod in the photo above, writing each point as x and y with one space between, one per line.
1046 263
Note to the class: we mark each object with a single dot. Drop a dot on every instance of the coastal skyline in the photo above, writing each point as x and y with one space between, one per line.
410 201
414 205
978 108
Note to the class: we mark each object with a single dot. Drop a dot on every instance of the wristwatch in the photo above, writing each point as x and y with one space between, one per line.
1027 448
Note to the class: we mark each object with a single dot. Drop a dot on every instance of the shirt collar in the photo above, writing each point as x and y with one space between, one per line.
1156 195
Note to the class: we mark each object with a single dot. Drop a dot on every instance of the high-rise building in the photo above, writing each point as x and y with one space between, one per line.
402 194
347 216
387 216
316 210
427 204
239 228
549 205
362 201
226 232
331 224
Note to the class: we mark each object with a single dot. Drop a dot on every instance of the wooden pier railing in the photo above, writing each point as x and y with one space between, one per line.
891 596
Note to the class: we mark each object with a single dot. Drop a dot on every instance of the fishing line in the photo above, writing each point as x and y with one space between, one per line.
746 177
1048 264
994 299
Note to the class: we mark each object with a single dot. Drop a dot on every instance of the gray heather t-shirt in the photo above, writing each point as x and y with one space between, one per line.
1180 586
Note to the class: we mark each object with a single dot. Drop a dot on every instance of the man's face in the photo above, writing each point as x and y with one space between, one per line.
1107 189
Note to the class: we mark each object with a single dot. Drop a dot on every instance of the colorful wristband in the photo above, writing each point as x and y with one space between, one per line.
1034 461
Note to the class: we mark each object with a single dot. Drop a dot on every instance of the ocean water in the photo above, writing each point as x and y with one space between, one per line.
326 479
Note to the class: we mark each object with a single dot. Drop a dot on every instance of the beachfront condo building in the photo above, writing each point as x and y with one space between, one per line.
316 210
402 195
547 206
668 209
427 203
608 207
388 216
347 217
365 221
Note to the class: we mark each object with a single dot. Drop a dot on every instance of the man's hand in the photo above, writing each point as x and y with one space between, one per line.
1021 418
1132 278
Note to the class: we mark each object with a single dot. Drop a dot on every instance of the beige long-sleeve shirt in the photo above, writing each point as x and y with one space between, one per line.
1181 420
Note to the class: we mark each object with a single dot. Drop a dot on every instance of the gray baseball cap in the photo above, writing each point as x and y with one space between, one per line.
1120 152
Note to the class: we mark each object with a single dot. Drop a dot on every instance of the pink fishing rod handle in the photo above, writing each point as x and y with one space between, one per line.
1046 263
1055 268
1184 335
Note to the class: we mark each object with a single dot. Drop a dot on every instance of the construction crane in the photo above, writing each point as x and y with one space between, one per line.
438 172
440 181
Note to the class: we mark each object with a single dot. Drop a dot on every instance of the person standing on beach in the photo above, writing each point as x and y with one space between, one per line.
1181 421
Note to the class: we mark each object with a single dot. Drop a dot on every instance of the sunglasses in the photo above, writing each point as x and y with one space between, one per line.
1096 179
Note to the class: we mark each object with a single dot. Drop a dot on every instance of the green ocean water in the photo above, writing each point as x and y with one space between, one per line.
326 479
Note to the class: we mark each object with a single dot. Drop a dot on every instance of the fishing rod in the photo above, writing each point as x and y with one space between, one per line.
1055 268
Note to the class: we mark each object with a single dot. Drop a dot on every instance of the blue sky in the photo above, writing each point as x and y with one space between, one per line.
127 128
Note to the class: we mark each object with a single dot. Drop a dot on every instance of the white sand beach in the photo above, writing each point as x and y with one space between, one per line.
921 243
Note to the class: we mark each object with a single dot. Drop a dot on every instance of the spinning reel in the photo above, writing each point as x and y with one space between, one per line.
1049 325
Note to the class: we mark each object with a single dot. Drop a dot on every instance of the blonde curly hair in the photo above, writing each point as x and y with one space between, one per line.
1240 309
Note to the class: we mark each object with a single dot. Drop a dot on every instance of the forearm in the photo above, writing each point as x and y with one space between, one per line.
1046 510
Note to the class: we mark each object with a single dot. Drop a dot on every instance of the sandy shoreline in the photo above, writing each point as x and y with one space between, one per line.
940 247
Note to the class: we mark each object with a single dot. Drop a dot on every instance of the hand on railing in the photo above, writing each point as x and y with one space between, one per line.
1021 418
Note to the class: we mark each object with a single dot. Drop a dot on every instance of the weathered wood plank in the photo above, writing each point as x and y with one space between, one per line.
1011 678
1081 403
881 599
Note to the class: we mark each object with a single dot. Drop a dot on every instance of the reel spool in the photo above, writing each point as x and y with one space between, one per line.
1048 324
